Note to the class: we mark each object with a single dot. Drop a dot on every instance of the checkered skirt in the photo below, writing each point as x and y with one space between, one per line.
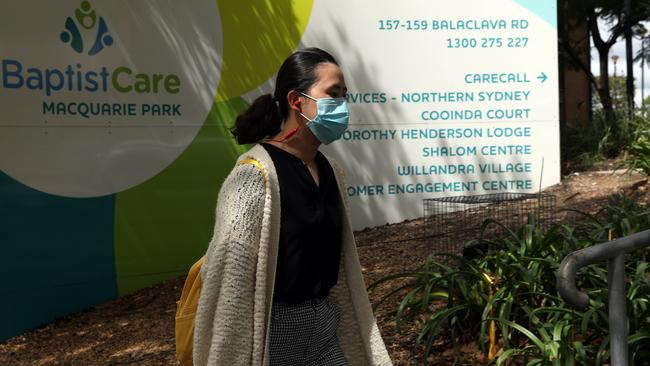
304 334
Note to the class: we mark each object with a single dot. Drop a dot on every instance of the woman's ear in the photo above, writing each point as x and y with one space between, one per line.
294 101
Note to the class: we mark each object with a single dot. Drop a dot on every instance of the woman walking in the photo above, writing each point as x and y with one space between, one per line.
282 283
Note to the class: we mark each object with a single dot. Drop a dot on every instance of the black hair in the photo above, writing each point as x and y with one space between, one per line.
264 117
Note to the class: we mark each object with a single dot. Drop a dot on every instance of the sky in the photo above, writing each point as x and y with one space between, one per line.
619 50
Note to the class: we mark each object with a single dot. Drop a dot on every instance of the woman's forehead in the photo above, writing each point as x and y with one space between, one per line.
328 75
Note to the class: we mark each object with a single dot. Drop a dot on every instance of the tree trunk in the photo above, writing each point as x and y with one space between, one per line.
603 56
629 81
603 89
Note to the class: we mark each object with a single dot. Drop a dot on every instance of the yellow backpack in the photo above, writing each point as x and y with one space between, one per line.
187 305
185 313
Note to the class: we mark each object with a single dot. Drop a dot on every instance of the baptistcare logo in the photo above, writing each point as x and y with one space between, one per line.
88 27
91 113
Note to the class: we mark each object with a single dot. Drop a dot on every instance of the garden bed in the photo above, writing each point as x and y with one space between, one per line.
138 329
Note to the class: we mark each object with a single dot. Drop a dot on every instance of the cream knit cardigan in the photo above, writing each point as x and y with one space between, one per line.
234 311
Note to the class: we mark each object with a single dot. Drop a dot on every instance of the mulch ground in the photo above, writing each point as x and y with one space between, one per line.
138 329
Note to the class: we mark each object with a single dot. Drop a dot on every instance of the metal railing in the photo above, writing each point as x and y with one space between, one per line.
614 252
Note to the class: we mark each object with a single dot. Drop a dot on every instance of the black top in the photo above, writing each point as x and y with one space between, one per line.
310 228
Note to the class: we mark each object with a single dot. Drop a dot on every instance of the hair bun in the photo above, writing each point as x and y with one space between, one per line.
260 120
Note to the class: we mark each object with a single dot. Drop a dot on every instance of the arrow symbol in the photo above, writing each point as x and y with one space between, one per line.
542 77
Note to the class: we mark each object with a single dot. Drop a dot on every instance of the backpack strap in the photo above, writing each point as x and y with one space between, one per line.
252 160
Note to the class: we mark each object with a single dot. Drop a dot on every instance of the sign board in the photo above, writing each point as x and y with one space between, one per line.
447 99
114 129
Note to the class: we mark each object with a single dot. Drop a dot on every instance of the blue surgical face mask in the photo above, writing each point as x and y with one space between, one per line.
331 119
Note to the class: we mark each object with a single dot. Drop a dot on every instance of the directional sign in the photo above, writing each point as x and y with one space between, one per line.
447 99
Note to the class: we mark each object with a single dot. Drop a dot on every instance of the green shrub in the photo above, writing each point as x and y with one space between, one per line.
637 155
582 146
513 288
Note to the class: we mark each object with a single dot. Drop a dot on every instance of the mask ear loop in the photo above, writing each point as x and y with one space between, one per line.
295 130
